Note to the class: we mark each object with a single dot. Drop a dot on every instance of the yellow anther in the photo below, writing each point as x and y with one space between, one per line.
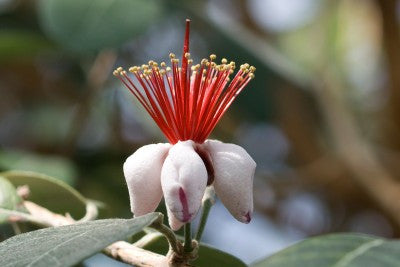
123 72
162 72
224 61
204 61
190 61
162 64
168 69
251 75
119 69
187 55
212 56
171 55
252 69
116 73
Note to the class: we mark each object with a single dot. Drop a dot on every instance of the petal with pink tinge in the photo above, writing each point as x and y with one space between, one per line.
233 183
183 180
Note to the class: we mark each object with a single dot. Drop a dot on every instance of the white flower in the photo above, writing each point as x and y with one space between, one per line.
180 174
186 102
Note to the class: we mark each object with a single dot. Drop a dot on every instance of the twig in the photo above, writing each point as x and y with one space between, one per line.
127 253
15 216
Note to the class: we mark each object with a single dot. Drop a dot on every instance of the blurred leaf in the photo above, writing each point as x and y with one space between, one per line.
97 24
9 198
49 192
20 44
68 245
55 166
338 250
208 256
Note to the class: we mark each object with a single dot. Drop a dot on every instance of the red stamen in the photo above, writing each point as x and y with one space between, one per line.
186 102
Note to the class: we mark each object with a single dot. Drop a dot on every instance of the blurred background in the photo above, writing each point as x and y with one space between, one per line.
321 119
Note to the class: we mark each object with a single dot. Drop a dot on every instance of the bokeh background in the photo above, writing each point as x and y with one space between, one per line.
321 119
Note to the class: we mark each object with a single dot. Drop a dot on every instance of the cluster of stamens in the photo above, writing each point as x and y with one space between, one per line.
186 101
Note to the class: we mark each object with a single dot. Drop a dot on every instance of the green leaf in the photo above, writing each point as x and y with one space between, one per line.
55 166
9 198
208 256
49 192
68 245
338 250
96 24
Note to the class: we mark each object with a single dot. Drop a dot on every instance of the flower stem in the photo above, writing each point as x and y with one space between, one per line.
188 238
208 202
168 233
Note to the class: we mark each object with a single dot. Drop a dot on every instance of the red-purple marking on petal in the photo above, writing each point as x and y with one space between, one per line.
248 217
185 208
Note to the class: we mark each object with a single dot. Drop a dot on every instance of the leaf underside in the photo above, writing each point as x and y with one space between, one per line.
68 245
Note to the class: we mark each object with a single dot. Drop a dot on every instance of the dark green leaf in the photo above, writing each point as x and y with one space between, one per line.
96 24
208 256
338 250
49 192
9 198
68 245
54 166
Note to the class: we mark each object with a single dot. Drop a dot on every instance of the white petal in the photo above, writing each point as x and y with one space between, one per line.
142 172
233 183
173 222
183 180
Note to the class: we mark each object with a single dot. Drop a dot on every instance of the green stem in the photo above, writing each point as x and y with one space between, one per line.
188 238
208 202
168 233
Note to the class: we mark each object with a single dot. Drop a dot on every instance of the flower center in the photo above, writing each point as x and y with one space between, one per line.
186 102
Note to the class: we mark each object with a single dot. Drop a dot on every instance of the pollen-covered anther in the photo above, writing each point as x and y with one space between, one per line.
171 55
187 55
224 61
133 69
213 56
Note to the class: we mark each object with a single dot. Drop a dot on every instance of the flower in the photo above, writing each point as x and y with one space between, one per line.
186 103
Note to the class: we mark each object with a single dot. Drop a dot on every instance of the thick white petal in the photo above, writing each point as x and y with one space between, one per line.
173 222
183 180
233 183
142 172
